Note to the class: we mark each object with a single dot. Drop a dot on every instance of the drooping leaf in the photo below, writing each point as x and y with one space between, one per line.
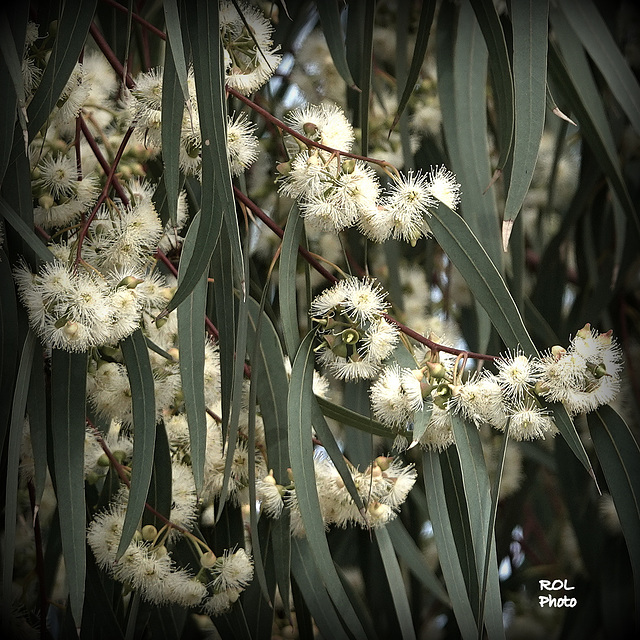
309 582
8 344
329 13
353 419
217 202
447 551
68 397
619 457
16 432
173 102
482 277
396 583
37 411
26 234
501 76
597 39
299 411
478 500
427 11
407 549
136 359
530 25
191 342
73 27
287 289
572 76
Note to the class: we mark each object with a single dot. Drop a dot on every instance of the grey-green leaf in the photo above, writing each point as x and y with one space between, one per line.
301 453
136 359
619 456
482 277
73 26
191 341
596 38
68 384
530 23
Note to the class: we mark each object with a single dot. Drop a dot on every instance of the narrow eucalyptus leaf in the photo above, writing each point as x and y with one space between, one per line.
68 392
136 358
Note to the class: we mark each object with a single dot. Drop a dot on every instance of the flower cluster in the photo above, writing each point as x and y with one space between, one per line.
383 487
355 338
582 377
147 565
250 57
144 107
335 193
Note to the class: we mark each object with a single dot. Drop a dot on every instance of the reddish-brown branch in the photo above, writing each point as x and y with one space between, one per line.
103 196
136 18
125 479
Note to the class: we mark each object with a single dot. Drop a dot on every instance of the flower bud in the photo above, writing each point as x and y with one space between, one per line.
70 329
284 168
131 282
349 165
103 460
269 479
384 462
558 352
174 353
585 332
436 370
208 559
309 129
149 532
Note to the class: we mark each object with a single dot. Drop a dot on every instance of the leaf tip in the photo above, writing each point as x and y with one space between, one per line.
497 174
507 228
564 116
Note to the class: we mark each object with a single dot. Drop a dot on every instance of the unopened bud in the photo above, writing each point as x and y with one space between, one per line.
46 202
558 352
103 460
384 462
131 282
349 165
208 559
309 129
149 532
174 353
436 370
160 322
269 479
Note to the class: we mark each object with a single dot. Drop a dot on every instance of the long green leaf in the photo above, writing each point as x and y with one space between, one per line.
8 345
173 102
354 419
17 16
73 26
569 68
13 462
13 65
313 590
568 430
176 46
480 273
596 38
462 71
427 11
619 456
331 446
329 12
478 499
396 583
500 69
299 410
37 411
287 289
27 234
407 549
136 359
68 384
191 341
159 495
217 202
530 24
447 551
